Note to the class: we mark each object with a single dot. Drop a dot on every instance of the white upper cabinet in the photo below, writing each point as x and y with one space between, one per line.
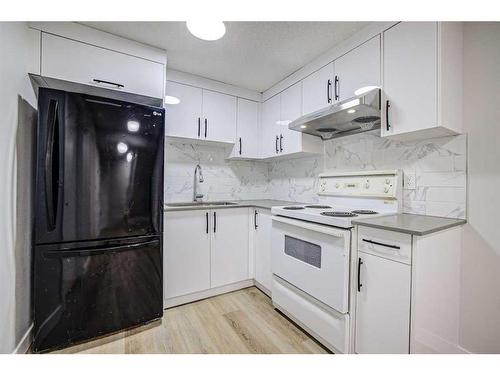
422 74
356 69
247 130
200 114
219 117
184 119
270 128
317 89
229 246
74 61
290 109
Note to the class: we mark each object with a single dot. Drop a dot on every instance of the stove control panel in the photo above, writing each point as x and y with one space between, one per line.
381 184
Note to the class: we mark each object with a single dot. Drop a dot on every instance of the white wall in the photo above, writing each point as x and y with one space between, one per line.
15 44
480 289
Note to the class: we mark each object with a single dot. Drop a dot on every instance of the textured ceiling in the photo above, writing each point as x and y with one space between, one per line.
253 55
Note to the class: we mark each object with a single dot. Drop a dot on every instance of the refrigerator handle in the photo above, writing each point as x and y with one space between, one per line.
97 251
51 164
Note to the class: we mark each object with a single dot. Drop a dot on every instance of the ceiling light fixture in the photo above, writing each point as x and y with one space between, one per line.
351 111
207 30
171 99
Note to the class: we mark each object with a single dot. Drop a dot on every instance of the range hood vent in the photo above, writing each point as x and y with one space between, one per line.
358 114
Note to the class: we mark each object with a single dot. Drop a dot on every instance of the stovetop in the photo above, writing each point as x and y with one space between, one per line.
325 214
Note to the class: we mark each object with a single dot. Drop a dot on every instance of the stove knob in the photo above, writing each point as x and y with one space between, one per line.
387 181
337 185
386 189
367 185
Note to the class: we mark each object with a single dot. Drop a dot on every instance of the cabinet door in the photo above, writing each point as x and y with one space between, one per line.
219 117
290 109
317 90
383 306
262 243
410 77
229 246
183 119
248 139
358 68
186 256
74 61
270 127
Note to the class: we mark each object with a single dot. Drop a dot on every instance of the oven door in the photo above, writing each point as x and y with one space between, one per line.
314 258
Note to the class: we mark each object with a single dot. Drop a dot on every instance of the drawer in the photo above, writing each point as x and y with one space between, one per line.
384 243
326 325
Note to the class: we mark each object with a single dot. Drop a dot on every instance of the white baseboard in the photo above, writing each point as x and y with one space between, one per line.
25 342
181 300
426 342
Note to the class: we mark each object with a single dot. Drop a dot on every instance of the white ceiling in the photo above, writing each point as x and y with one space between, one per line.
253 55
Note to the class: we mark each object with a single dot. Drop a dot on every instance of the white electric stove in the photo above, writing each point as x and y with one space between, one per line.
350 195
311 251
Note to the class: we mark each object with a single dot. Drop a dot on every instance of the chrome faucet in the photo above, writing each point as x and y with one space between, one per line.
197 170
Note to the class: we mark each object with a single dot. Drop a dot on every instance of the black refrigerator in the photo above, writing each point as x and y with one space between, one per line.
97 256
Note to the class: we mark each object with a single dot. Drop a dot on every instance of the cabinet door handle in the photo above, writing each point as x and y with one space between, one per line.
337 94
206 123
277 151
281 142
382 244
360 262
328 91
215 222
199 127
119 85
387 106
206 217
255 219
240 145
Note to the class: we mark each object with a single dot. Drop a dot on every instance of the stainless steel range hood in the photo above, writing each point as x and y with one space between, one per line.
355 115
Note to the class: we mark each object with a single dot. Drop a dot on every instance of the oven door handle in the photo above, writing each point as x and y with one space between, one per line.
311 226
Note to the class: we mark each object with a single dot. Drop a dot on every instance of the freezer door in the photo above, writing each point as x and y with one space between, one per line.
99 168
81 293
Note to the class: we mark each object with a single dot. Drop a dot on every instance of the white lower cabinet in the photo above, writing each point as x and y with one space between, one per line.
229 246
262 246
186 252
383 306
204 249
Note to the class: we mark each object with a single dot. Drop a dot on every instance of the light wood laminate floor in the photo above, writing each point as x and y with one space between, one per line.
238 322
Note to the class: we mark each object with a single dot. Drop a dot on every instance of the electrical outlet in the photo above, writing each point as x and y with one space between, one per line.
410 181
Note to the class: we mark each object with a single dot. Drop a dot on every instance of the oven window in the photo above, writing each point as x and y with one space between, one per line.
302 250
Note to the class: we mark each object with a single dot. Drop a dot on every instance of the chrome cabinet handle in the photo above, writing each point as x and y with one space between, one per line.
337 95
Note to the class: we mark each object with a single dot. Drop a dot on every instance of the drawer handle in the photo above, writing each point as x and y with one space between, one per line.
119 85
382 244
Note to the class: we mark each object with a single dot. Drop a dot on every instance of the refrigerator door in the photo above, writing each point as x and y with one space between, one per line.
81 293
99 168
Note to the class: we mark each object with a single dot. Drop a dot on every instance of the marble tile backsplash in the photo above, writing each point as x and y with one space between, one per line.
439 166
223 179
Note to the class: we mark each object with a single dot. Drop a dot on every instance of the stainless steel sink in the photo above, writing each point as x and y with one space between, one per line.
190 204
